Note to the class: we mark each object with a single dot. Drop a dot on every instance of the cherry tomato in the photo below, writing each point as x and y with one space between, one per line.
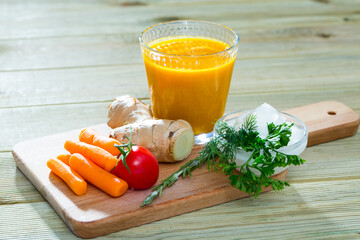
143 166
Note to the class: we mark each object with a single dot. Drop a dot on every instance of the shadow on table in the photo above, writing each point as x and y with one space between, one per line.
48 216
273 215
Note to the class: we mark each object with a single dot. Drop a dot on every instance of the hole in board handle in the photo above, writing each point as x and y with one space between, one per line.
331 112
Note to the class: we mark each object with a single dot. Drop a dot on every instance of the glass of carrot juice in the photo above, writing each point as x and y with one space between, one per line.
189 66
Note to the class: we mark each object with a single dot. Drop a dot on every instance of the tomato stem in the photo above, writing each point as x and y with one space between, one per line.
124 149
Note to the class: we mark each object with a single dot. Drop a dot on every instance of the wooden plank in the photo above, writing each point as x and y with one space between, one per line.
328 162
15 187
42 19
38 221
46 120
321 204
102 50
42 119
104 83
72 85
96 213
327 121
202 190
322 164
310 207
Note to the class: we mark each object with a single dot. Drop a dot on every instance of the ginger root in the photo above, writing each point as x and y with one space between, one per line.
126 109
168 140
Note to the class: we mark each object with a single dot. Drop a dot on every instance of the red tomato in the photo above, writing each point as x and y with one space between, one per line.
144 168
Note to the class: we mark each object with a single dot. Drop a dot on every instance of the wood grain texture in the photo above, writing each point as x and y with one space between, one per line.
80 85
327 121
49 70
120 46
52 119
322 164
122 16
71 52
309 206
15 187
96 214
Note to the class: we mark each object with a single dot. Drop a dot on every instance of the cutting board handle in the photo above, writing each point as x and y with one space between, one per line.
327 121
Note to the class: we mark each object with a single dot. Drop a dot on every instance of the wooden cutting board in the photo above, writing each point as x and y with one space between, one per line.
96 213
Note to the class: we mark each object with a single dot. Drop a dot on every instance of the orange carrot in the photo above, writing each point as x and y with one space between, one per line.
100 178
72 179
101 157
64 158
90 136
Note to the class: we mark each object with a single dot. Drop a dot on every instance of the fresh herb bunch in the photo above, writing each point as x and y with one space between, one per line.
219 155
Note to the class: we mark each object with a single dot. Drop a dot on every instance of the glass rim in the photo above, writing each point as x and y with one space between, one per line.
303 125
179 55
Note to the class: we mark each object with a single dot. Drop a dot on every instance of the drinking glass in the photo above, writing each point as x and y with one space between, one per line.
193 87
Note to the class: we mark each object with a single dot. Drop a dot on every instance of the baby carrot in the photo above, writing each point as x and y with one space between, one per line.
64 158
100 178
90 136
101 157
72 179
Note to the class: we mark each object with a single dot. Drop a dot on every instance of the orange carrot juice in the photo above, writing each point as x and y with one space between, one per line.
181 88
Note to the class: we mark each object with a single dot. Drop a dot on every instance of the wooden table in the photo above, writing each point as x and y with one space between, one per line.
63 61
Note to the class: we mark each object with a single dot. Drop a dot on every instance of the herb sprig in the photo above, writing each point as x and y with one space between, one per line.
219 155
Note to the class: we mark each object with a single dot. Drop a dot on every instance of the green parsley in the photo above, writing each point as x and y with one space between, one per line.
219 155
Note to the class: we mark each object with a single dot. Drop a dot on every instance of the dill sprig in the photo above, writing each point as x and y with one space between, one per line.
219 155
